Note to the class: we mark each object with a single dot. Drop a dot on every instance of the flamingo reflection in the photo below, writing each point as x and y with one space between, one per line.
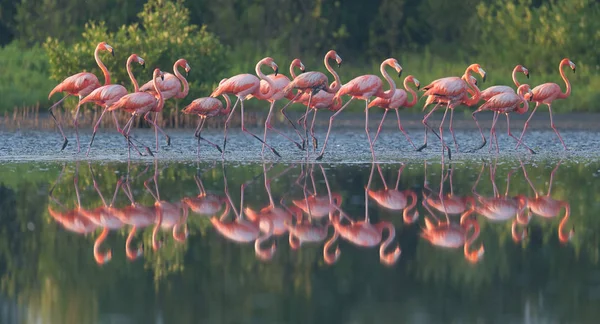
547 207
205 203
395 199
448 234
317 206
242 230
365 234
500 208
449 203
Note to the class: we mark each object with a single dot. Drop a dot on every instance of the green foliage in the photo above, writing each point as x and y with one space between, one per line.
163 35
24 80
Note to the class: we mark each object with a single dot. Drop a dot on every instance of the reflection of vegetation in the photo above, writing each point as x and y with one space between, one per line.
54 274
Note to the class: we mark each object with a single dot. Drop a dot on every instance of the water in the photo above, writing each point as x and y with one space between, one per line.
49 272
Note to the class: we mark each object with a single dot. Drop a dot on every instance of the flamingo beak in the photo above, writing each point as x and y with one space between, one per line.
276 71
338 60
530 95
187 69
418 84
572 65
527 74
110 49
302 68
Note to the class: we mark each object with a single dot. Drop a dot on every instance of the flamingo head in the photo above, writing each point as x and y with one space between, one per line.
521 68
414 80
332 54
105 47
525 91
271 62
139 59
394 63
297 63
336 104
184 64
158 73
477 68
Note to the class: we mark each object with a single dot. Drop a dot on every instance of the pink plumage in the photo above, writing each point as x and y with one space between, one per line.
80 84
171 85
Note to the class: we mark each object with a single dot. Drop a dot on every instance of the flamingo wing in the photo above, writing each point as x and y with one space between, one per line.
243 84
207 106
78 84
307 80
105 94
135 101
364 85
546 91
494 90
449 86
501 102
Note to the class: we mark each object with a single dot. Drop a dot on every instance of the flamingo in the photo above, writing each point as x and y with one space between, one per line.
204 203
398 100
310 83
498 89
395 199
207 107
451 235
451 91
81 85
547 207
500 208
140 103
280 81
241 86
448 203
318 206
548 92
505 103
364 87
108 94
170 88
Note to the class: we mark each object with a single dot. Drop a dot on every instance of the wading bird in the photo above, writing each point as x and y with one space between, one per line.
81 85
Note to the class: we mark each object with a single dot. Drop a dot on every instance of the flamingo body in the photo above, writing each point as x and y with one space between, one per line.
240 85
80 84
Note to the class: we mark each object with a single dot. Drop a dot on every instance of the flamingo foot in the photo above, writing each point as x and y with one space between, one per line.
301 147
480 146
64 144
168 140
315 143
320 157
420 148
149 151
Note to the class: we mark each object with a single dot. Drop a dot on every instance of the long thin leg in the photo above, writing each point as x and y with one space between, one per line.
513 136
158 129
129 126
227 125
305 120
269 126
51 111
480 131
493 133
403 131
442 134
329 129
149 119
554 127
537 104
247 131
452 129
552 177
76 124
427 127
380 126
197 134
289 120
312 131
367 128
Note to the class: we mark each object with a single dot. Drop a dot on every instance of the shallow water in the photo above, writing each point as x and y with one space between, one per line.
50 273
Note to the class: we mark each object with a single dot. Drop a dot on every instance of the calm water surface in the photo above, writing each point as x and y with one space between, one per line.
162 242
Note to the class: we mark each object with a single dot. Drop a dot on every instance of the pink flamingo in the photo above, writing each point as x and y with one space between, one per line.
205 203
243 85
108 94
451 91
140 103
448 203
241 230
546 93
364 87
500 208
547 207
310 83
450 235
398 100
170 88
498 89
505 103
394 199
207 107
81 85
280 81
318 206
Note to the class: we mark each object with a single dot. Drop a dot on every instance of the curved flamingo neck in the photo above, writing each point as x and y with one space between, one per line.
102 66
128 251
390 257
161 100
567 82
413 94
392 84
521 109
259 95
186 86
514 76
292 66
562 237
331 258
336 77
227 109
408 219
100 257
265 254
476 95
136 86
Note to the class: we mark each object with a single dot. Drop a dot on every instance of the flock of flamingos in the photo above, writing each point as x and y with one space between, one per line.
308 219
312 89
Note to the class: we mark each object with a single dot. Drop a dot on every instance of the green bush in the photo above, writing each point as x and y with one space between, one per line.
163 36
25 78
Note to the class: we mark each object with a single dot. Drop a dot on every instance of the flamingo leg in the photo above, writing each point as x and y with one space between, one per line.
96 129
554 128
427 127
290 121
197 134
312 131
480 131
452 129
227 125
149 119
253 135
493 134
513 136
51 111
127 135
403 131
537 104
158 129
329 129
444 146
269 126
367 128
380 126
305 119
76 124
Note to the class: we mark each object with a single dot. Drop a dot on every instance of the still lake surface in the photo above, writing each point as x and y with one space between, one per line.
161 242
